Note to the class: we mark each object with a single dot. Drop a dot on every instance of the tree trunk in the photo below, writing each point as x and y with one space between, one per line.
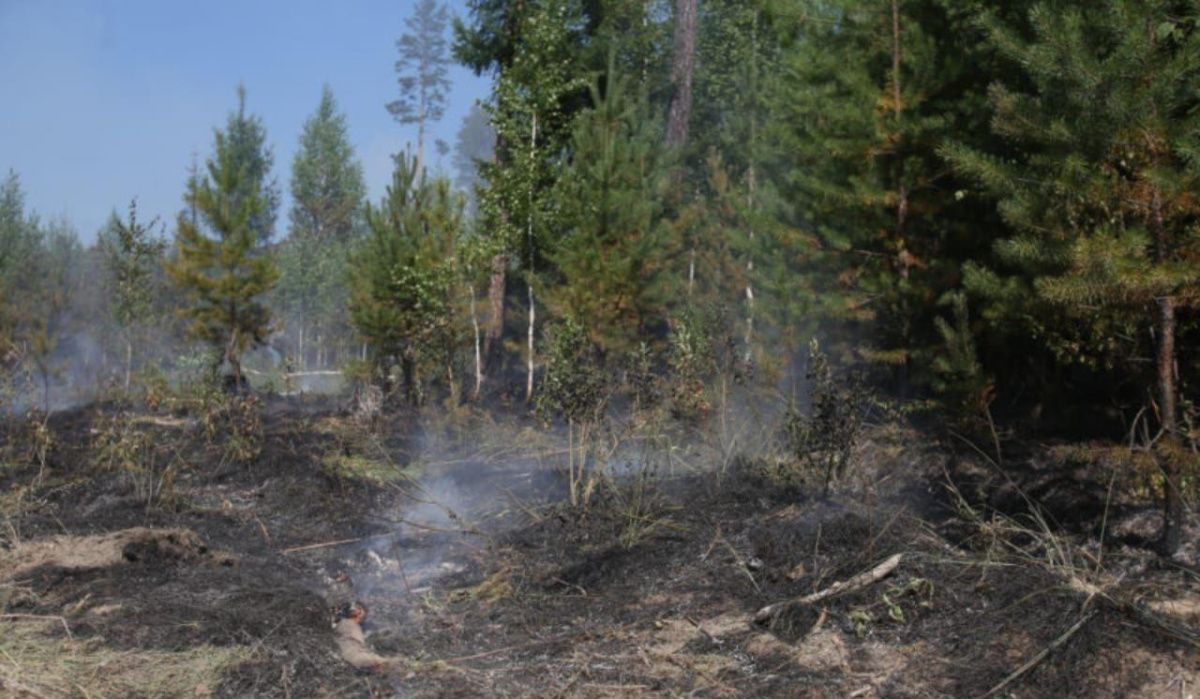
529 277
1173 499
408 368
682 69
750 187
898 110
478 345
1169 455
493 339
128 362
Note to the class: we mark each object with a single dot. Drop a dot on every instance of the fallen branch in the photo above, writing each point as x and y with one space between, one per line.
864 579
41 617
1032 662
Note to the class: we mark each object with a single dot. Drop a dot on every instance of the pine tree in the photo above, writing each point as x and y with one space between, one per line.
247 139
422 69
326 218
402 280
132 254
18 252
217 263
1103 203
871 91
608 261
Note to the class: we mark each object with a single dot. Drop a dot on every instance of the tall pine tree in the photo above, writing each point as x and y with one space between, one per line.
421 70
217 265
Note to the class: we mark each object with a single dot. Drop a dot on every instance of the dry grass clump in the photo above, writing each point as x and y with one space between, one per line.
34 663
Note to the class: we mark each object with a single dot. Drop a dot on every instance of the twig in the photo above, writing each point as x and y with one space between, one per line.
741 563
1032 662
711 639
40 617
564 583
263 528
327 544
519 646
859 581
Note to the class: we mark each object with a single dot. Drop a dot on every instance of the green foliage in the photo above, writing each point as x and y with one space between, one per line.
609 205
959 377
246 140
691 363
132 259
574 386
1102 199
422 69
403 273
884 234
217 264
822 441
328 193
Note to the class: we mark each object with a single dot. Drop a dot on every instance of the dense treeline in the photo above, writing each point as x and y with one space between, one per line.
990 210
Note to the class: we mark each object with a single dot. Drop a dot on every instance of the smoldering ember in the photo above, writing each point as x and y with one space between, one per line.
604 348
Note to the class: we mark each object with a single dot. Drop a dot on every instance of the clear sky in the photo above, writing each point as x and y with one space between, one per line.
102 100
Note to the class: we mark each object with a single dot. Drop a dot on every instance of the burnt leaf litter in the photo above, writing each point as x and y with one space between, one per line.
478 579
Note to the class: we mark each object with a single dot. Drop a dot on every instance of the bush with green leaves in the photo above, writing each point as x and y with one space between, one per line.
573 389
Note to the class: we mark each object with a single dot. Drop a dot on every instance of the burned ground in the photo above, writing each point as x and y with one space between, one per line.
481 581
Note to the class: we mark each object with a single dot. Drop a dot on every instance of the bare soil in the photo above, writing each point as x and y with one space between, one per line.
480 581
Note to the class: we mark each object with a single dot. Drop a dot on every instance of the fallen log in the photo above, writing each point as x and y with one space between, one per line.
864 579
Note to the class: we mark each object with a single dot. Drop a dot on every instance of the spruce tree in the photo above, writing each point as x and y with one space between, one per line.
421 70
217 264
1103 203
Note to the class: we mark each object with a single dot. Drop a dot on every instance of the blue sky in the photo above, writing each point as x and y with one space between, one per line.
104 100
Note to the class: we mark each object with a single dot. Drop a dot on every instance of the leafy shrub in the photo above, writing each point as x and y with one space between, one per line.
574 389
137 458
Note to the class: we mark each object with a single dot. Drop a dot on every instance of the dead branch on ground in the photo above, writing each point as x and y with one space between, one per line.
864 579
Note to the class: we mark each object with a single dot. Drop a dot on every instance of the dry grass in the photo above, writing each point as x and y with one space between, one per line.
34 663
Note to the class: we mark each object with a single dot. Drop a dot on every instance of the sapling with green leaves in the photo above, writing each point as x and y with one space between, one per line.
573 390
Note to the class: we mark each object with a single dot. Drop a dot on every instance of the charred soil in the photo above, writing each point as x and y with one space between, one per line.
479 580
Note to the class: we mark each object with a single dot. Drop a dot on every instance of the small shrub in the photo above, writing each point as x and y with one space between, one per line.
573 389
640 379
39 442
233 423
691 363
822 441
137 458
